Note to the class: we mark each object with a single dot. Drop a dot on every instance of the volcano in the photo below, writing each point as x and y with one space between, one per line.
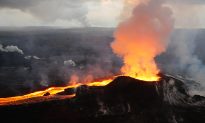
124 100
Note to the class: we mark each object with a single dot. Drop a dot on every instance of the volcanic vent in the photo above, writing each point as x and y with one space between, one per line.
124 100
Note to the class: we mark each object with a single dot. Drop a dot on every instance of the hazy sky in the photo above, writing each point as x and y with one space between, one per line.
78 13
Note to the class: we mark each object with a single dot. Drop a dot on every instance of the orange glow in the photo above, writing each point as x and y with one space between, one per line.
52 91
100 83
141 37
139 61
138 52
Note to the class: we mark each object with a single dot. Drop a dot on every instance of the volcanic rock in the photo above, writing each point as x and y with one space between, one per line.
68 91
125 100
47 94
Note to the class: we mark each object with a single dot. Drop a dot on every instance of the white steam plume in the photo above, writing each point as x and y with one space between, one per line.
184 44
11 49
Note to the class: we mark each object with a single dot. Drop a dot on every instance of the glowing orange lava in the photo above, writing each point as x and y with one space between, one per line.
52 91
138 52
142 37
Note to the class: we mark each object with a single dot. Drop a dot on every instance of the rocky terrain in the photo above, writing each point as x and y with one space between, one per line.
125 100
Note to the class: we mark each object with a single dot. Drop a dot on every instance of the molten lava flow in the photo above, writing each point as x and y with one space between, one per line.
140 38
52 91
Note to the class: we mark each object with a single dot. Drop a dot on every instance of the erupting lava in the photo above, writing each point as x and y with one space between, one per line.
138 40
143 36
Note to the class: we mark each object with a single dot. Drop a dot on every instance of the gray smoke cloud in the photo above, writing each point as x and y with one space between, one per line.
67 12
182 58
185 46
187 1
23 4
10 49
51 10
185 57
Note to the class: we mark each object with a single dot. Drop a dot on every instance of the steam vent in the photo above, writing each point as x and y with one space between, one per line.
124 100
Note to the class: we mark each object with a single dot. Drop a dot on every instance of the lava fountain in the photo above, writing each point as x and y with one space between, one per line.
141 37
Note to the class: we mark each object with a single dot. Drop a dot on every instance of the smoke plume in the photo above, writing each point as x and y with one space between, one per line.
143 36
11 49
184 47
